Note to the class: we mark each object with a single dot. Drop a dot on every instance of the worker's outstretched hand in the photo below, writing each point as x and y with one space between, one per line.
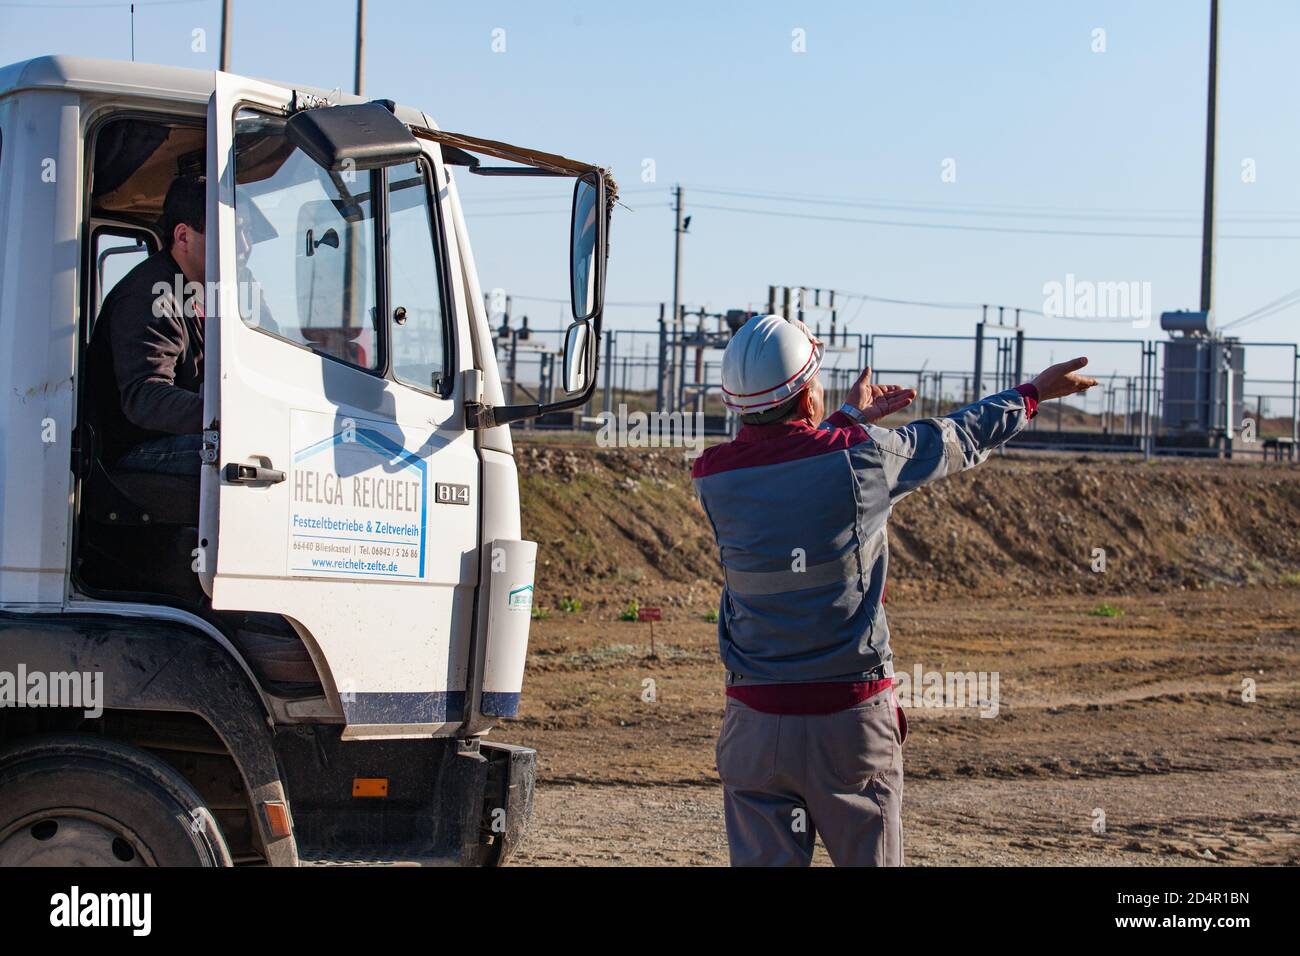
877 401
1062 379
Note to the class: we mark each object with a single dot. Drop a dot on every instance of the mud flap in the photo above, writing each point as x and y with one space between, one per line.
440 802
512 777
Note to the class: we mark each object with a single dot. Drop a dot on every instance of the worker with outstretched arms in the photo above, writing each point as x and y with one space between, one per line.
811 739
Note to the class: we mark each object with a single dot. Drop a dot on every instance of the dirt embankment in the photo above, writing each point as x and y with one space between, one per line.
1175 713
623 524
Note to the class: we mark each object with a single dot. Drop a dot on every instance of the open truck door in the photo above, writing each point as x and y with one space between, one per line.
340 485
505 593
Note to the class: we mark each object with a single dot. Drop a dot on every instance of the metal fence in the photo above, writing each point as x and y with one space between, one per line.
657 371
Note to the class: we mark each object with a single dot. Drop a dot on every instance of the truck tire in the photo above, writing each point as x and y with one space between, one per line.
77 800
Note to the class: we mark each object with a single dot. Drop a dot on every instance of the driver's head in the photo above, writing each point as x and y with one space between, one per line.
183 222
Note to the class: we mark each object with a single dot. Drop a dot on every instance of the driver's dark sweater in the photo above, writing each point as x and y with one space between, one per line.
146 358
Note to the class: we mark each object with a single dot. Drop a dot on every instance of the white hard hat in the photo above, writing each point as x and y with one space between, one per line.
767 362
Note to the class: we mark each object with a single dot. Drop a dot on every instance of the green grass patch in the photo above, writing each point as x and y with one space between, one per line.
1106 610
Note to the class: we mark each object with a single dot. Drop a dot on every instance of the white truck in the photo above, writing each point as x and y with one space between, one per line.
295 657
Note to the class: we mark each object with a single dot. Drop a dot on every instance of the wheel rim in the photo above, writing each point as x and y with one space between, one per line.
71 837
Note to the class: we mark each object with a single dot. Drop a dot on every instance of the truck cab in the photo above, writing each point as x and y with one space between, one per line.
295 653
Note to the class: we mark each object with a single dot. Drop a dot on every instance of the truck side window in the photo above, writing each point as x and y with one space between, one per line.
304 246
418 333
115 256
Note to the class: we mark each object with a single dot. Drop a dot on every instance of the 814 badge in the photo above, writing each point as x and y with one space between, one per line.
449 494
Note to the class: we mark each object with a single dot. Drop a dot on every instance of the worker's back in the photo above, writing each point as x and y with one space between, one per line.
799 514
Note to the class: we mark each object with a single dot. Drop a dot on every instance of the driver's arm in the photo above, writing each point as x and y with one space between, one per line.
149 334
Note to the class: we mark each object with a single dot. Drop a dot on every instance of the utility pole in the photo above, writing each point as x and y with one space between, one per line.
1020 352
679 326
225 35
679 402
663 359
358 83
1211 114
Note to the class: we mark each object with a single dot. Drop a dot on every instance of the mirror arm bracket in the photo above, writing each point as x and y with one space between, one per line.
479 416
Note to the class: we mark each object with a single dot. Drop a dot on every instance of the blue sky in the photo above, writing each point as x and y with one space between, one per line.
1046 134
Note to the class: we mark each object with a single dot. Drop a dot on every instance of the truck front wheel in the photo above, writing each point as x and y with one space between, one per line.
77 800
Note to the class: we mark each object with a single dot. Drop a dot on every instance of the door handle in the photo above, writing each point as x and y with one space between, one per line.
237 474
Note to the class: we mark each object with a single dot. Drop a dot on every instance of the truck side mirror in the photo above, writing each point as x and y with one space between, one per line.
587 247
577 357
357 137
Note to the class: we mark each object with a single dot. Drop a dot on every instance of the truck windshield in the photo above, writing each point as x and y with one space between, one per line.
305 246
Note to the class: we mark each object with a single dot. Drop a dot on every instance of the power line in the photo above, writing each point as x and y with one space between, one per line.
110 5
991 208
993 211
539 298
865 297
971 228
1271 312
470 214
537 197
551 197
1280 304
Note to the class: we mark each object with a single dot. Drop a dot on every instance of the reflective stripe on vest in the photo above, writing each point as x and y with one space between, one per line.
847 566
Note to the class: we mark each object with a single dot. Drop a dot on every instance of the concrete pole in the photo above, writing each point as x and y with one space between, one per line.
679 328
359 78
514 365
679 402
1295 401
610 359
663 356
1020 356
1211 115
225 36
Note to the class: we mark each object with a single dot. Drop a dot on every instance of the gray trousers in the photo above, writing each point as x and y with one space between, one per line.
787 778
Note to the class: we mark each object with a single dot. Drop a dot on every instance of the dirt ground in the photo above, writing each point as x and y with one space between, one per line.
1140 717
1117 702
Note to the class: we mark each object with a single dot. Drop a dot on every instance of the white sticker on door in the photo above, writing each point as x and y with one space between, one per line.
358 500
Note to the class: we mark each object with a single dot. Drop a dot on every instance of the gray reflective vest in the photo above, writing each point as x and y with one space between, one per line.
799 514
